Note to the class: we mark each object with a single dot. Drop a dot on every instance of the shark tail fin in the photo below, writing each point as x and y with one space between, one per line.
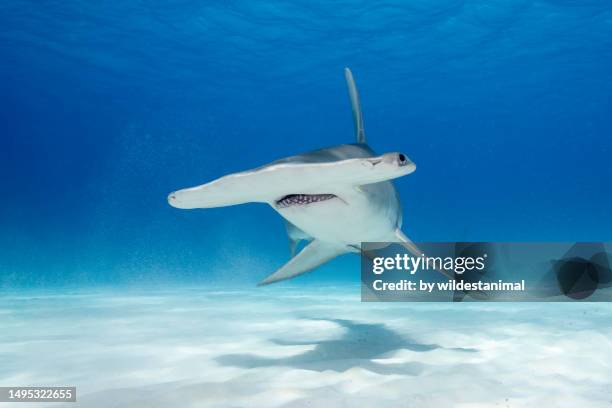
355 106
314 254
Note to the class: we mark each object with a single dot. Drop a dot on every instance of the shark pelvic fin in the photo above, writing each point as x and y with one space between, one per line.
314 254
295 235
355 106
415 250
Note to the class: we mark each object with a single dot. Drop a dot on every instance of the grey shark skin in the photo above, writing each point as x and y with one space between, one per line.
335 198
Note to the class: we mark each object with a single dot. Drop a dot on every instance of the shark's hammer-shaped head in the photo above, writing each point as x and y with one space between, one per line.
287 184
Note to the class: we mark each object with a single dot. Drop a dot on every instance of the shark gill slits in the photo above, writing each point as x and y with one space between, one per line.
302 199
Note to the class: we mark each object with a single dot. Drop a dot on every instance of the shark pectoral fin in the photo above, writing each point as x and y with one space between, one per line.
313 255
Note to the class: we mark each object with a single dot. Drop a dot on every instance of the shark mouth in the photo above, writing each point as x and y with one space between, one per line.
302 199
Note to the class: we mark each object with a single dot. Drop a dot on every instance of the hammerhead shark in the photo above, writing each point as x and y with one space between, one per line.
334 198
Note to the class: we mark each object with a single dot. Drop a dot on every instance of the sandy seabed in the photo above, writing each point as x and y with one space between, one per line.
303 347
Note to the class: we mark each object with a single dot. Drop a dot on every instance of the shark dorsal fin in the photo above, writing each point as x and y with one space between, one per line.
355 106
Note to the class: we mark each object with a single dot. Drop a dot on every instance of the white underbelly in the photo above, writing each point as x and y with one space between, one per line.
348 219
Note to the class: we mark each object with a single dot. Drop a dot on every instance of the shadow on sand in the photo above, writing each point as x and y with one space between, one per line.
360 343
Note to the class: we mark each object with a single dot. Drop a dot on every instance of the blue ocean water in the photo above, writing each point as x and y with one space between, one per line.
106 107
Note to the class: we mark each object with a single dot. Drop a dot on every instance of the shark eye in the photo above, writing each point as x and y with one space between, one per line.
402 158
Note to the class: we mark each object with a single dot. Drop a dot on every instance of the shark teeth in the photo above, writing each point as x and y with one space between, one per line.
302 199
